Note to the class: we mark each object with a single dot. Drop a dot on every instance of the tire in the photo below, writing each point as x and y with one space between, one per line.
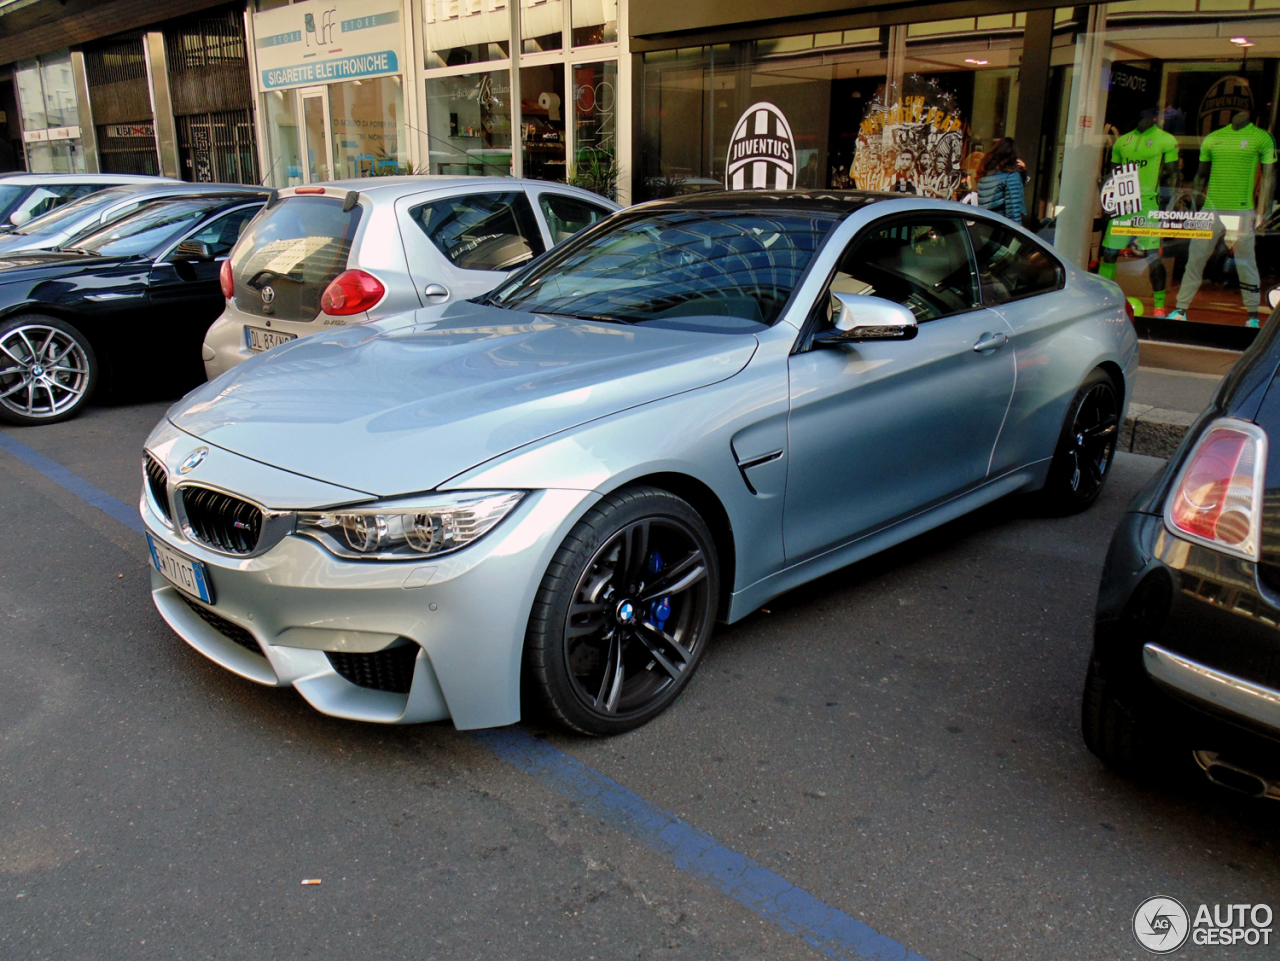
48 370
599 655
1124 725
1086 447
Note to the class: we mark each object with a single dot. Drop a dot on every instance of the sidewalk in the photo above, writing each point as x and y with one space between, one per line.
1174 385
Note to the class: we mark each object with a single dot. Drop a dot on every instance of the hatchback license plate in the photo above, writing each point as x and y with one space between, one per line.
256 339
188 574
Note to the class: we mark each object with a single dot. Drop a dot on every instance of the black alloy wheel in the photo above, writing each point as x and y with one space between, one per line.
1082 461
47 370
624 613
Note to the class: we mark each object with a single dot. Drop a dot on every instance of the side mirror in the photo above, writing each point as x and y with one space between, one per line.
19 217
192 250
1273 297
859 318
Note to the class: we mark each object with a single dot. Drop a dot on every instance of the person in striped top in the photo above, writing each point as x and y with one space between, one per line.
1229 160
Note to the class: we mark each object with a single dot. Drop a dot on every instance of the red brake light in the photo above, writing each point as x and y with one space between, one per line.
308 190
352 292
225 279
1218 496
1128 309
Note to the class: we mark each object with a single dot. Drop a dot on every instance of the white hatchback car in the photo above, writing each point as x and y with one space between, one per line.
326 255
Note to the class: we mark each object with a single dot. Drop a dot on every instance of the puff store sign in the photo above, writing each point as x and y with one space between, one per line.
762 153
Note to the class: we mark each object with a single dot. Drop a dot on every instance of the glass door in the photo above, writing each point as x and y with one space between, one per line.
316 126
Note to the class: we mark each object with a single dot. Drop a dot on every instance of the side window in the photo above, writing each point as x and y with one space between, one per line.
922 264
567 215
1010 265
482 231
221 234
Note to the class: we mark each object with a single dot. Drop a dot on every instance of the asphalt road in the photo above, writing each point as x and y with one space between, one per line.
900 740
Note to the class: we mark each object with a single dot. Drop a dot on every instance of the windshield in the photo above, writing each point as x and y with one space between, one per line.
669 263
65 216
10 194
152 226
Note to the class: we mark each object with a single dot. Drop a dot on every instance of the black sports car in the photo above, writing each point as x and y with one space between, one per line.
1186 656
133 299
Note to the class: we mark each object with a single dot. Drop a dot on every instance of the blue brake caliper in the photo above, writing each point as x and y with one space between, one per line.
660 609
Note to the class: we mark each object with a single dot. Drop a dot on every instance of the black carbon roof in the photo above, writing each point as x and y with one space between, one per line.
832 201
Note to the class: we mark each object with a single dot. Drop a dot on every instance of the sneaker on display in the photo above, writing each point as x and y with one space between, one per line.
1177 314
1252 321
1159 312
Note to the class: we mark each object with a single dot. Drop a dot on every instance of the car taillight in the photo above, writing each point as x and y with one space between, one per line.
1217 498
1128 309
226 280
352 292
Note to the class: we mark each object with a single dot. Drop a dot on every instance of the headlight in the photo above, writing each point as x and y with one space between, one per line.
413 527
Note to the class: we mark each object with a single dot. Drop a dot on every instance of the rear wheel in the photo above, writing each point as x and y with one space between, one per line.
624 612
47 370
1086 447
1124 725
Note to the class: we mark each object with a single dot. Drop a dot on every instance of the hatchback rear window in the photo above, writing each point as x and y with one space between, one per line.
295 249
482 231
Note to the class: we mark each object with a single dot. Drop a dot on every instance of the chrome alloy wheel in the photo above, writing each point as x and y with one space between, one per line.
44 371
1095 428
636 619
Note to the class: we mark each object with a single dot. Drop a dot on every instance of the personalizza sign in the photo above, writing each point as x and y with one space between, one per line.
323 42
762 153
1122 201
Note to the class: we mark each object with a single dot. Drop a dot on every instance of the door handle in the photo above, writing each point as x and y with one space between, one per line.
990 342
435 291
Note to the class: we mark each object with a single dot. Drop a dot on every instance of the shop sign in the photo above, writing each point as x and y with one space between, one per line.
324 42
913 144
131 130
762 152
50 133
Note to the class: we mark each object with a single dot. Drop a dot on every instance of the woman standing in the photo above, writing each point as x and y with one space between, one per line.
1000 181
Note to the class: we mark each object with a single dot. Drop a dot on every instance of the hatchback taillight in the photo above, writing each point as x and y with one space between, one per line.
1217 498
352 292
226 280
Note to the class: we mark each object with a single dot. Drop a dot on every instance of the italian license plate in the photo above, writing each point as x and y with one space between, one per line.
256 338
188 574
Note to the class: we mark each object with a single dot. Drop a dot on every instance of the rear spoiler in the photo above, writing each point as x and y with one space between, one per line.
352 198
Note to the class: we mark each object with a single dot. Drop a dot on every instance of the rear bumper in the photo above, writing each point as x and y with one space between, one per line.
1215 689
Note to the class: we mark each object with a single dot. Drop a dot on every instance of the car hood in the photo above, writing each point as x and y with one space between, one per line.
407 402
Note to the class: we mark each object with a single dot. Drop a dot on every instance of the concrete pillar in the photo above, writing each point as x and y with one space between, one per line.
1082 154
162 104
88 132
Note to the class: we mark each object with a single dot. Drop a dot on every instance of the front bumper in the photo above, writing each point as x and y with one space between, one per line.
297 604
1201 626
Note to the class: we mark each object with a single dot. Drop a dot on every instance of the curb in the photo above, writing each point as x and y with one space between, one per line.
1154 431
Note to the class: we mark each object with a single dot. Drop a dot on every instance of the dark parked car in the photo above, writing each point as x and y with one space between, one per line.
1186 658
128 305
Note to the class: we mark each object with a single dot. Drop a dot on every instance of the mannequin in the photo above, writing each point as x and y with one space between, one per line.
1229 161
1156 154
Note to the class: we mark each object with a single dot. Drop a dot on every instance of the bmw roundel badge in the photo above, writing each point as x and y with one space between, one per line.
193 460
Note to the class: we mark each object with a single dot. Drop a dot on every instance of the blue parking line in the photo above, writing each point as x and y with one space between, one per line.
113 508
695 852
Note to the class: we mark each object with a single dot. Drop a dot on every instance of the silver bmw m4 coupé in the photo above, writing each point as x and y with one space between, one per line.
683 411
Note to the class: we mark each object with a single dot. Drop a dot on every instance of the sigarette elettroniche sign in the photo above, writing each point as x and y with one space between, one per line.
326 42
762 152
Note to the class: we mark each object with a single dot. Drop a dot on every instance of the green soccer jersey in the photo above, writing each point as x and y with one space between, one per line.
1235 155
1150 149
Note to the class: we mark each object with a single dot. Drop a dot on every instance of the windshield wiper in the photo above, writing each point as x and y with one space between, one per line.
74 250
606 318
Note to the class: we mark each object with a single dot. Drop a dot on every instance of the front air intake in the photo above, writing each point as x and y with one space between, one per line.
220 521
390 670
232 632
158 484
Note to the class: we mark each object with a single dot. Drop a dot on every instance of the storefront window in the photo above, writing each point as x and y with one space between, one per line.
50 117
469 120
30 95
466 31
282 138
59 91
1163 177
595 21
541 25
542 109
595 152
368 128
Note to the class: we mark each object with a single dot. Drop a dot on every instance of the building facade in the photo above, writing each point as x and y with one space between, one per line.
1123 113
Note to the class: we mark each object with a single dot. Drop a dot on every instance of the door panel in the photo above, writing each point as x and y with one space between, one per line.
882 429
